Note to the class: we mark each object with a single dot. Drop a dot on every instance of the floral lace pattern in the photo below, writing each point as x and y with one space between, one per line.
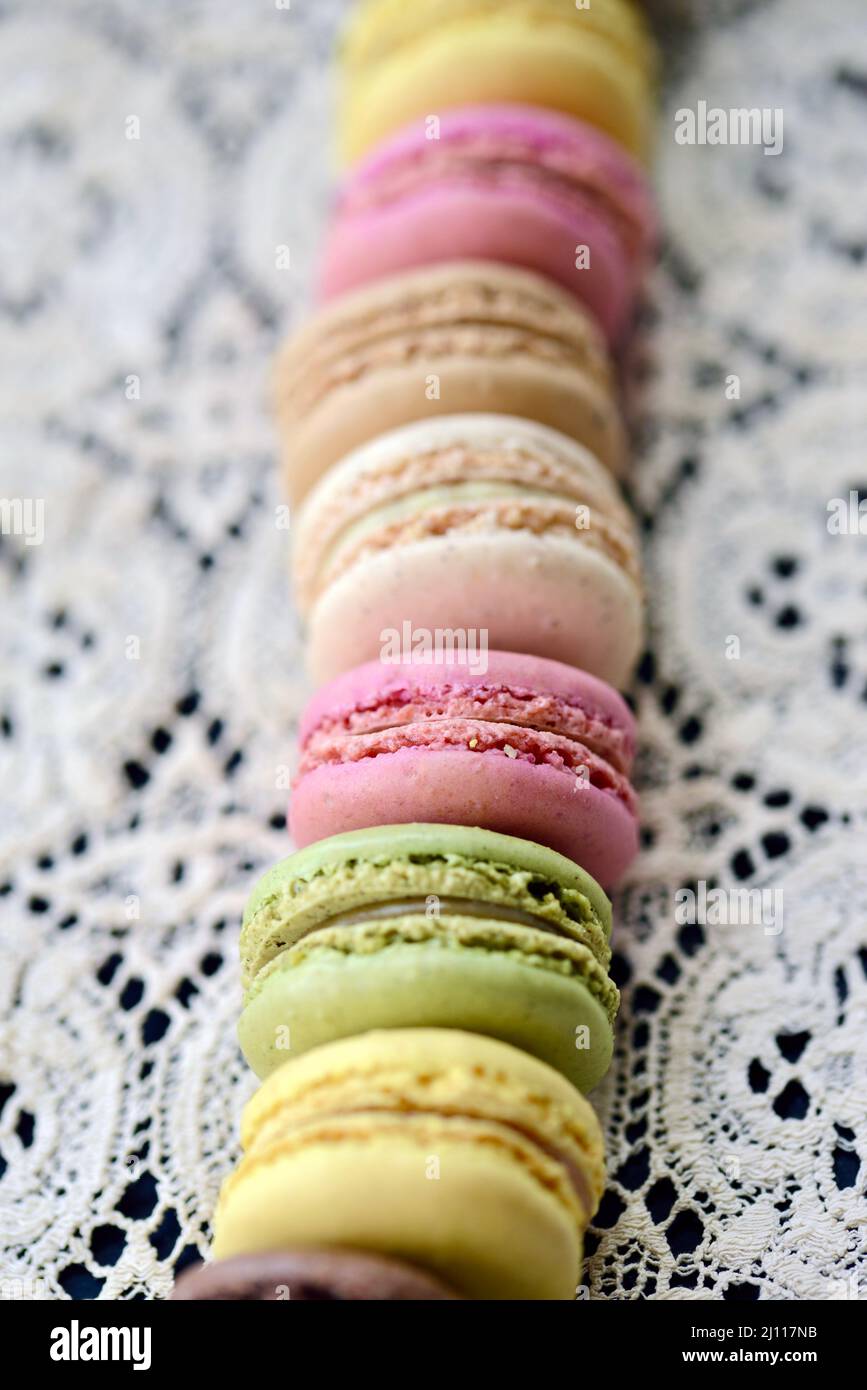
159 162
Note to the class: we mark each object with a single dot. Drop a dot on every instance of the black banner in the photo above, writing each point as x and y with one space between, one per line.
141 1338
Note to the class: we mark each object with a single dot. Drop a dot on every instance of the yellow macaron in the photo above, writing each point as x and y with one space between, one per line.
457 1153
405 61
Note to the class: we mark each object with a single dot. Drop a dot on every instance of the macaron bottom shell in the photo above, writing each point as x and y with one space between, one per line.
476 1221
542 595
548 805
516 1246
425 984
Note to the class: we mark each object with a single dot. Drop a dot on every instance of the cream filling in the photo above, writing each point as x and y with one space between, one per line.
435 906
416 503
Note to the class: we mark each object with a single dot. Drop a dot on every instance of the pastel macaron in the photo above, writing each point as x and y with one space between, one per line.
439 926
509 742
514 184
401 61
309 1276
480 527
443 340
455 1153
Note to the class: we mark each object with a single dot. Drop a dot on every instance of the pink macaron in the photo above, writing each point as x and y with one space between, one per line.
517 744
514 184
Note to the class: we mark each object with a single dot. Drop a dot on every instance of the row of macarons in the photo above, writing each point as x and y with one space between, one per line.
434 959
425 1006
450 413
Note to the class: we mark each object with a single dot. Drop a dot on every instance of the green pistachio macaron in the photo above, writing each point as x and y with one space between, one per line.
429 926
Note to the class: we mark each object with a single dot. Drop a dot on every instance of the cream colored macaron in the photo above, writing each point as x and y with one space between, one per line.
477 528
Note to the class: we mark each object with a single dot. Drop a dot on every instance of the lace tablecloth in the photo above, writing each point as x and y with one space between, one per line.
155 157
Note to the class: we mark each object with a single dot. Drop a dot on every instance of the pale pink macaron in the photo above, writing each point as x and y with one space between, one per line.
517 744
514 184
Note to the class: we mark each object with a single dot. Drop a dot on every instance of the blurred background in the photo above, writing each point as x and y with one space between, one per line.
156 163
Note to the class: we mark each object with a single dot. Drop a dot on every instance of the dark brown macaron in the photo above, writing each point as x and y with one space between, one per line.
308 1276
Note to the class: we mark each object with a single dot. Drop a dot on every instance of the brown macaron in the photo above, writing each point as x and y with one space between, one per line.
308 1276
466 336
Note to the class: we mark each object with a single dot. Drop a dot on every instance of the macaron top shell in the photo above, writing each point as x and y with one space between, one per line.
498 875
431 846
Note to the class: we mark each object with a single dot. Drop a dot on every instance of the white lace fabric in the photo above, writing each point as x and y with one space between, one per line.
151 676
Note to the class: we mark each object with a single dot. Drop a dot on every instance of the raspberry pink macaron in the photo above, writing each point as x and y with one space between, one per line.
514 184
511 743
